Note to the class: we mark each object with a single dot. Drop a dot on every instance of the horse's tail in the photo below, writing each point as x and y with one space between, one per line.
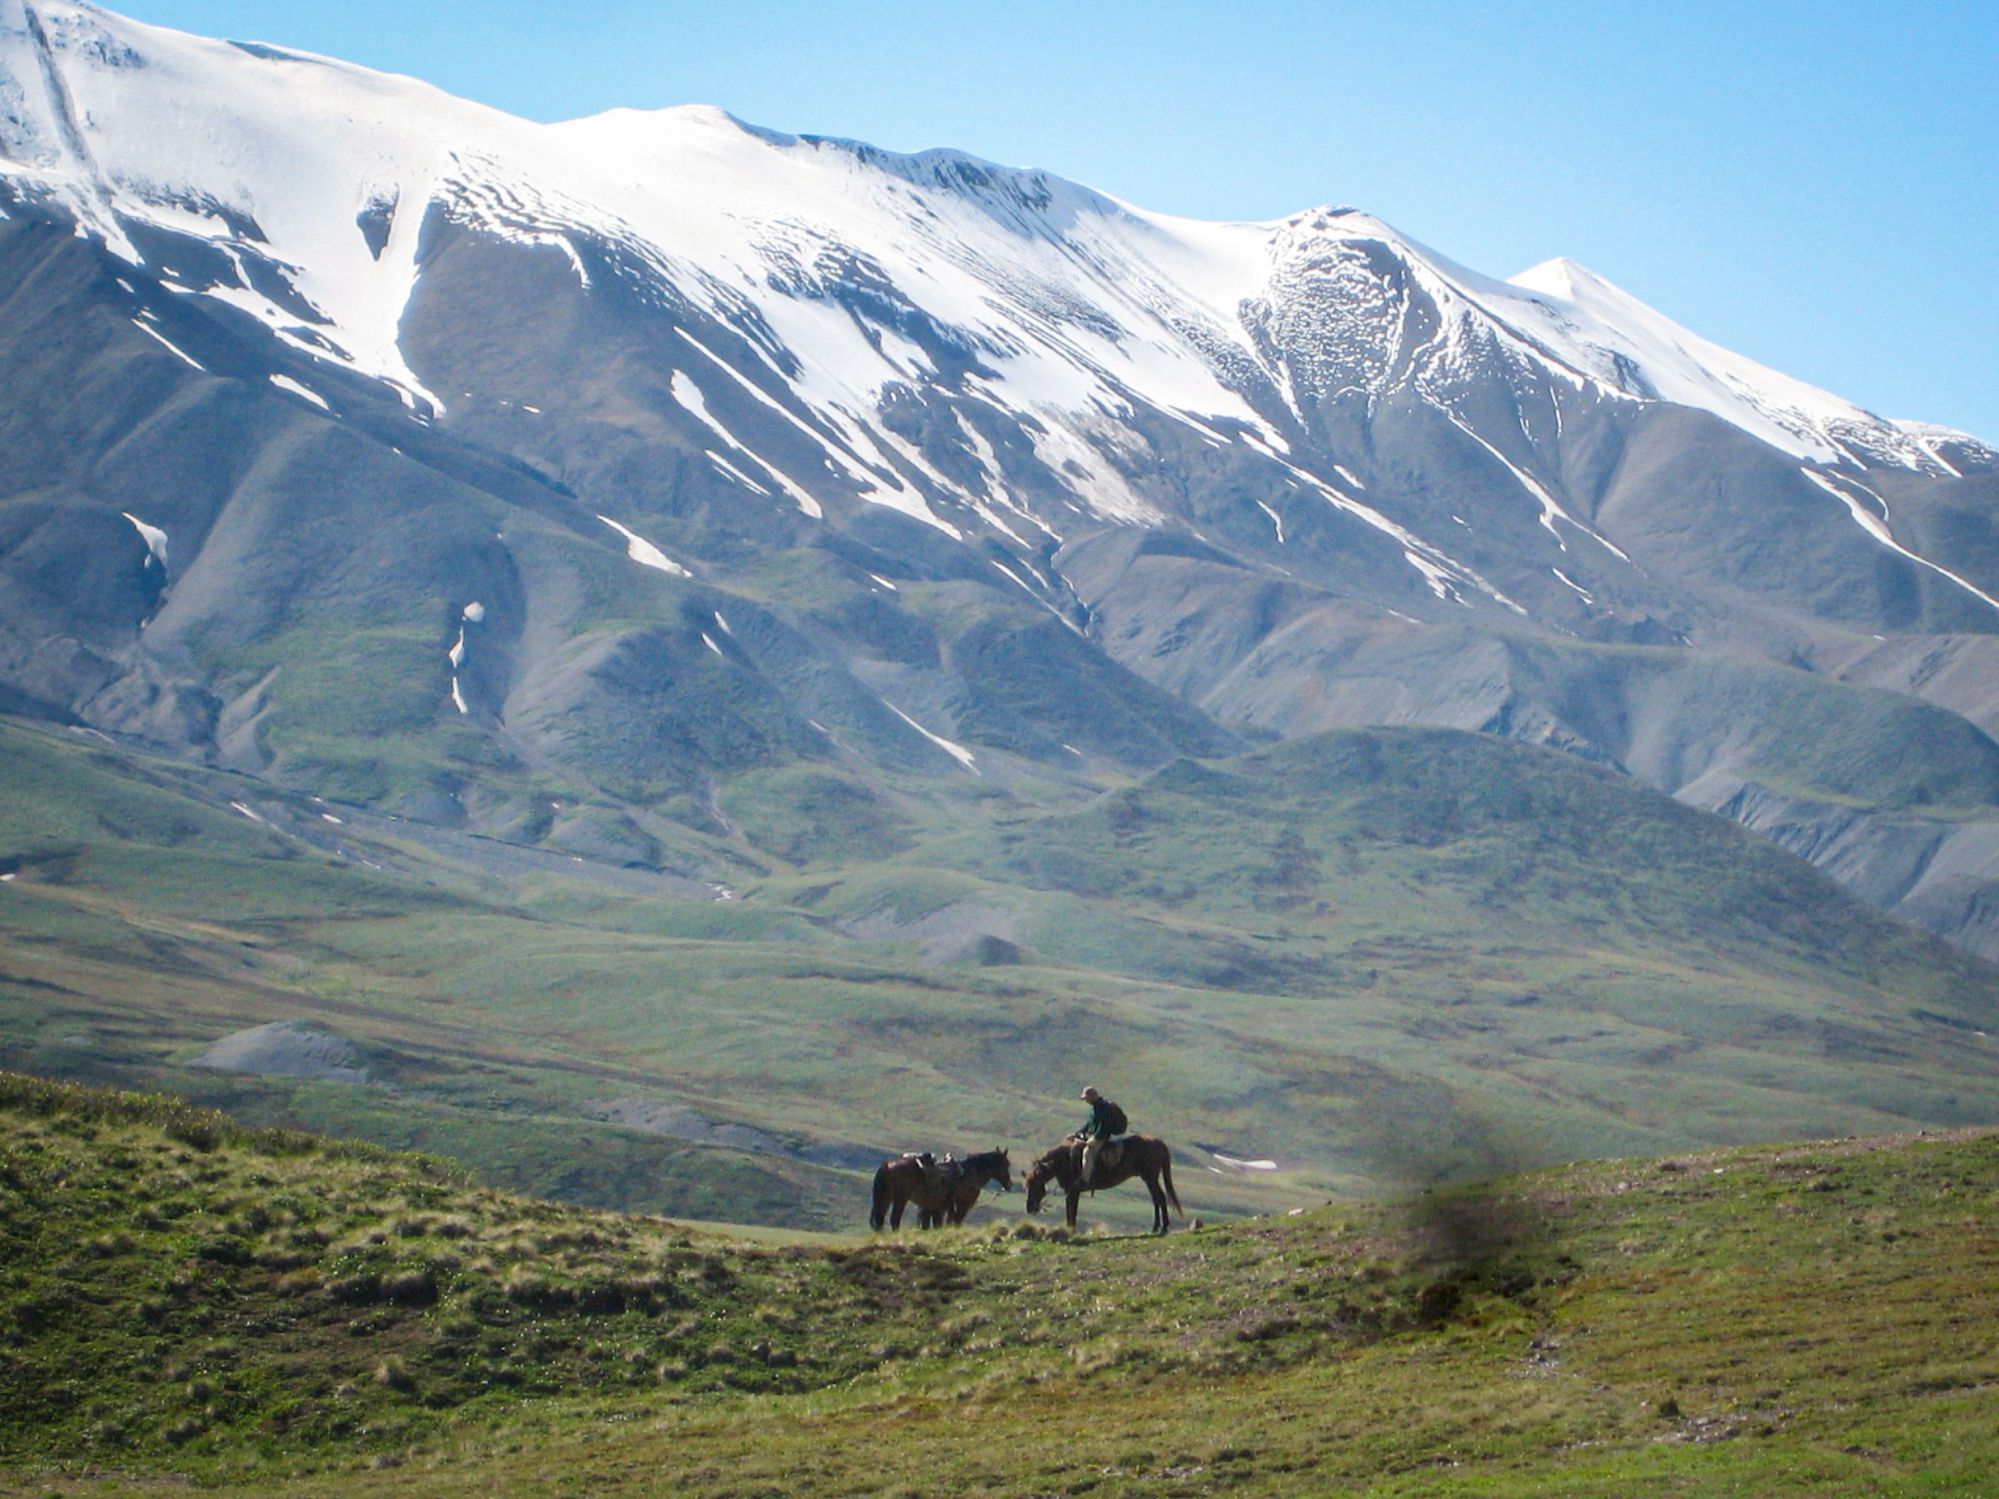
879 1214
1166 1177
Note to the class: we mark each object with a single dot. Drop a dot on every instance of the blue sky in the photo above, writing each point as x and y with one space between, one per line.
1815 185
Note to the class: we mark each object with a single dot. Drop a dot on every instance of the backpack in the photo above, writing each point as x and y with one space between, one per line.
1115 1123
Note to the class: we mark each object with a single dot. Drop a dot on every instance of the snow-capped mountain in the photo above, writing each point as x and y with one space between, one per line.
653 446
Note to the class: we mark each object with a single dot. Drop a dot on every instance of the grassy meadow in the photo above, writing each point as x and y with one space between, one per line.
262 1312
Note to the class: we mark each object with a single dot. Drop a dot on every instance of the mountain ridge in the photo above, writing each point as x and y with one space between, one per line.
361 357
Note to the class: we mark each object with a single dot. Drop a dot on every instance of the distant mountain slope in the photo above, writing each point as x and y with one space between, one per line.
1372 957
545 480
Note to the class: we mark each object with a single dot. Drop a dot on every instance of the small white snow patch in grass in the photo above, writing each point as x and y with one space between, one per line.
457 697
1230 1160
456 655
286 383
535 409
1073 750
723 623
818 725
153 536
6 879
644 552
248 813
329 817
957 752
885 583
1294 1212
722 892
709 641
474 611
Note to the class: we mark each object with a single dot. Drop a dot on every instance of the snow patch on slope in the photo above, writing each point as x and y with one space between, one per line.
956 751
1876 526
644 552
173 348
292 387
154 538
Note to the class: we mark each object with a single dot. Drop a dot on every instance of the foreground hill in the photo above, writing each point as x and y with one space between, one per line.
1377 958
268 1313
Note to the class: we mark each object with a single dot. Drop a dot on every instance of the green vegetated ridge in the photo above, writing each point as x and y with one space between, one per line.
1376 957
265 1312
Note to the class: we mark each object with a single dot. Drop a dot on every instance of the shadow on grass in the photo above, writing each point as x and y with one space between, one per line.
1469 1233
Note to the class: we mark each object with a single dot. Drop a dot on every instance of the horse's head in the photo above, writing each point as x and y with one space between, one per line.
1052 1166
1002 1170
1038 1177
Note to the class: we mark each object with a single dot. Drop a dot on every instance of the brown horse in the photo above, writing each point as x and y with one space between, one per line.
1138 1155
902 1181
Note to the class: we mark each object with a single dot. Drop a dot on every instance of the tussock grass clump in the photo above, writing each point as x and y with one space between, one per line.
410 1287
392 1373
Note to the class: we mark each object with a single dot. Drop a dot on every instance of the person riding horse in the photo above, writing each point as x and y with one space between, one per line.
1106 1121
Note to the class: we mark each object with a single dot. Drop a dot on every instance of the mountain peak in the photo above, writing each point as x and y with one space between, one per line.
1557 277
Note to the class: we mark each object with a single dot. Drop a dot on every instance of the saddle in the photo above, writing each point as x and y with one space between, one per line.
939 1175
1109 1152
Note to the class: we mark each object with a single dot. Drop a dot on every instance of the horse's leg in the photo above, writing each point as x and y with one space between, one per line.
1158 1203
1075 1196
895 1213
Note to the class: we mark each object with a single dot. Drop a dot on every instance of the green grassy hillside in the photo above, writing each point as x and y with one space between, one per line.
266 1313
1379 959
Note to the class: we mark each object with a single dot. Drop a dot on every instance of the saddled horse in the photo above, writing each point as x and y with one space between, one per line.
902 1181
1138 1155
